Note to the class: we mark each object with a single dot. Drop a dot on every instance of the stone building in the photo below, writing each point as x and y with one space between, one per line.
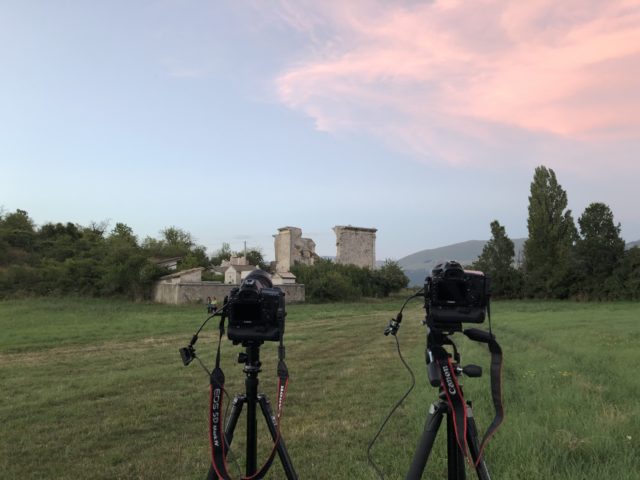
233 260
291 248
356 246
187 286
235 274
283 278
168 263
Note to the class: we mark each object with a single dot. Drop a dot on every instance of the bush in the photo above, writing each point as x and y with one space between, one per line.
327 281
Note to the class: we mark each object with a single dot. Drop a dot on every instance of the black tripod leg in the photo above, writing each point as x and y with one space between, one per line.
281 448
421 455
455 457
472 440
236 410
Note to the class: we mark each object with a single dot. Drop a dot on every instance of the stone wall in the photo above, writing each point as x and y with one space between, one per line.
197 292
356 246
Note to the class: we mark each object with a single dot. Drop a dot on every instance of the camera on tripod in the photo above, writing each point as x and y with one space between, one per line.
453 296
256 314
256 310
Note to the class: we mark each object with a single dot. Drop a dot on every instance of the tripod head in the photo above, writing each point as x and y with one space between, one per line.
436 354
251 358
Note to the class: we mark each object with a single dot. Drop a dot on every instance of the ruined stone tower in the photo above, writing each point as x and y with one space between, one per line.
356 246
290 248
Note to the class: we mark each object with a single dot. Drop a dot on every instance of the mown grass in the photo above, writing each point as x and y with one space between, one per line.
96 389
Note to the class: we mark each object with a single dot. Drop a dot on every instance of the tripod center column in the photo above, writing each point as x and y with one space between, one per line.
251 369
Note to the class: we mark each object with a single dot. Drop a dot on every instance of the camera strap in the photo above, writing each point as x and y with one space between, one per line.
496 381
217 439
453 393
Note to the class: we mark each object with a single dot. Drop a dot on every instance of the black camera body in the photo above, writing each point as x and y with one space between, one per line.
256 310
454 296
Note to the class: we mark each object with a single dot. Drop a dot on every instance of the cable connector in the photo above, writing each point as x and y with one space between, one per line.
394 325
187 353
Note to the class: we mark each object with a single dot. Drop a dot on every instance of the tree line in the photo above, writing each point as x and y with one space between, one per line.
70 259
326 281
559 259
59 258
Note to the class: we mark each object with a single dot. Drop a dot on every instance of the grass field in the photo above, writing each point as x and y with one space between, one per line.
96 389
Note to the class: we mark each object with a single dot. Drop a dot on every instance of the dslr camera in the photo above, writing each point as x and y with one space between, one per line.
256 310
453 296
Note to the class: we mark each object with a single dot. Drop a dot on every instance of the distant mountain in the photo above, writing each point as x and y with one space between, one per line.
417 265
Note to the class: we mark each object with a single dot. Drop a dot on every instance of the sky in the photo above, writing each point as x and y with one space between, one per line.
231 119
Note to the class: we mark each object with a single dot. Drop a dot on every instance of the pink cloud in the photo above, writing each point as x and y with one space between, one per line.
567 69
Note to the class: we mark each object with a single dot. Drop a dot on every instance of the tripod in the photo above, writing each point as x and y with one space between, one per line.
442 408
251 360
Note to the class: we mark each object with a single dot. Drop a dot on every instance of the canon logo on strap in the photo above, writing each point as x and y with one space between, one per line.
449 380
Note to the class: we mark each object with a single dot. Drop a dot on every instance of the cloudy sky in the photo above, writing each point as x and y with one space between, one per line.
230 119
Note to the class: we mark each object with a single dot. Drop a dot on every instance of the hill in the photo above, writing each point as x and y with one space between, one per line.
417 264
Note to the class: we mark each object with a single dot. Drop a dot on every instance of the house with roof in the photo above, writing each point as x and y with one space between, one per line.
283 278
184 276
234 274
168 263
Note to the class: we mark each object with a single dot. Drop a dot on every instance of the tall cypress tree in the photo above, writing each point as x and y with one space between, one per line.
599 248
552 233
497 260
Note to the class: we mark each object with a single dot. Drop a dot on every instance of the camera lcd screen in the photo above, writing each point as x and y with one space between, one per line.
246 313
451 291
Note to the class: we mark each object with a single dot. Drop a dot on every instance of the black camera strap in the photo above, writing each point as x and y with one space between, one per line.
453 393
216 428
482 336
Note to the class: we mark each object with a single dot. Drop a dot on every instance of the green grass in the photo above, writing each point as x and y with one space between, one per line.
96 389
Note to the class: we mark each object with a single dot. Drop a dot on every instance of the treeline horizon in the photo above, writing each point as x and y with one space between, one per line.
69 259
559 259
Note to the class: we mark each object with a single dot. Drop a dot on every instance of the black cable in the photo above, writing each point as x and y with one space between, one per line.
203 366
217 313
195 338
417 294
395 407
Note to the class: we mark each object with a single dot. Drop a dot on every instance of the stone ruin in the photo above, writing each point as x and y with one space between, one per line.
291 248
356 246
